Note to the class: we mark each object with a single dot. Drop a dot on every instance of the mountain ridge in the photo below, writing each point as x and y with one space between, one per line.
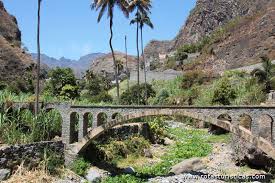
78 66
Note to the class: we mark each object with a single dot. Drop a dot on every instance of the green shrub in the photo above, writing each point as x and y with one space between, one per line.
53 161
114 150
136 93
224 93
194 77
158 129
80 166
69 92
101 97
162 97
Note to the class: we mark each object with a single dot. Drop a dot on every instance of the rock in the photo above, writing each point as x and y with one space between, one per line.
95 174
148 153
129 170
168 141
4 174
189 165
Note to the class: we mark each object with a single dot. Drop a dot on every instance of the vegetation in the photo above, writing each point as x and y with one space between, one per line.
114 150
80 166
21 126
130 97
62 83
265 75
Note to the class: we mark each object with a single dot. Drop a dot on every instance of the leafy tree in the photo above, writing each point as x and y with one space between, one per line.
69 92
108 5
58 79
130 97
94 84
224 93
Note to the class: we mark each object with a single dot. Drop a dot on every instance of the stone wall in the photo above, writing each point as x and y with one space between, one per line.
152 75
30 154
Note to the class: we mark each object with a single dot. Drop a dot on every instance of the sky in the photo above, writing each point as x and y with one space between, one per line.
69 28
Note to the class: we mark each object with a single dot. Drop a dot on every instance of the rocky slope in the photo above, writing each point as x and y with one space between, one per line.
79 66
243 44
253 36
104 64
13 60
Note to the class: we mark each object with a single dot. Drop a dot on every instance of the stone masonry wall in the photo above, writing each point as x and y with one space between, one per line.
152 75
30 154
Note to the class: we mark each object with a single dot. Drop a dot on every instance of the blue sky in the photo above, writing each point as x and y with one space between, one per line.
69 28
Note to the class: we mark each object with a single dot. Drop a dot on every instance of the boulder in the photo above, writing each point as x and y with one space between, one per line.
168 141
95 174
129 170
148 153
189 165
4 174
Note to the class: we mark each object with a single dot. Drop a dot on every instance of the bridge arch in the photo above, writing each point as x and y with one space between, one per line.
241 131
74 127
265 125
245 121
102 118
116 115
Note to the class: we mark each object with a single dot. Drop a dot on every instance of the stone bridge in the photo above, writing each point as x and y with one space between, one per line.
255 124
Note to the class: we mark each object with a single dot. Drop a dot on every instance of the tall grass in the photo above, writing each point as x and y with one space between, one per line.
21 126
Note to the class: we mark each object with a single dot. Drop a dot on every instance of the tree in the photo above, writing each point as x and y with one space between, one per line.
108 5
224 93
38 61
62 82
265 75
144 20
130 97
141 7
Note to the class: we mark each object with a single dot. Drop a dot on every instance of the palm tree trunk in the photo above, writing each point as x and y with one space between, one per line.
144 62
127 70
138 62
114 59
38 62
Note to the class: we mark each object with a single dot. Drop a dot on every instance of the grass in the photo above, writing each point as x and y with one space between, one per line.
190 143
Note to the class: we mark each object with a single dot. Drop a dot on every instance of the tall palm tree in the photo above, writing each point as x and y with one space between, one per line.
144 20
108 5
38 61
141 7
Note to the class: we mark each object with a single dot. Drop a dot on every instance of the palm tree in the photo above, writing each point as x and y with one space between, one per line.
144 20
108 5
265 75
38 61
141 7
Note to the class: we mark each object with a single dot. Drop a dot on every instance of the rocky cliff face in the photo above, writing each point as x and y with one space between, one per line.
241 46
13 60
8 26
210 14
252 37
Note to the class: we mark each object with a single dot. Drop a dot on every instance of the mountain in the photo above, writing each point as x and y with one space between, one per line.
79 66
104 64
240 30
14 62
